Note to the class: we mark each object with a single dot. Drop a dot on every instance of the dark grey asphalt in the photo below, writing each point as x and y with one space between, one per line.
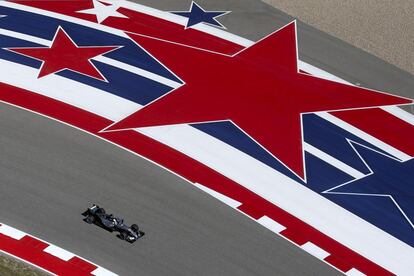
50 172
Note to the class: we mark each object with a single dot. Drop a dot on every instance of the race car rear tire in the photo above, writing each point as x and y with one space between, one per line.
134 228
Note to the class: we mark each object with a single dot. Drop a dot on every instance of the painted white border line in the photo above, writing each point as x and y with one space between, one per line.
315 250
332 161
59 252
100 271
363 135
400 113
226 200
354 272
67 18
270 224
51 249
11 232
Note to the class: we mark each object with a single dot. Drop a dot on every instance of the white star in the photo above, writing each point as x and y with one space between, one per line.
2 15
102 11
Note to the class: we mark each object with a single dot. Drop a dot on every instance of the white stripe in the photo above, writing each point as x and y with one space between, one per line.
59 252
365 136
400 113
183 21
354 272
71 92
103 59
319 73
100 271
65 18
138 71
227 200
271 224
26 37
332 161
315 250
11 232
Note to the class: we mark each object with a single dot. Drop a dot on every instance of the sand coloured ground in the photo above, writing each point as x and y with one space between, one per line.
384 28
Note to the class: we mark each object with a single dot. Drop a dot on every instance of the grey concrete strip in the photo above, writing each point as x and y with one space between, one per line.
50 173
381 27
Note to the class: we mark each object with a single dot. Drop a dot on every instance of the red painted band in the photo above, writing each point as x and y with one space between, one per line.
381 125
31 250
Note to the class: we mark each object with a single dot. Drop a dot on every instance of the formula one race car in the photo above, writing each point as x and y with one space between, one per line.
98 216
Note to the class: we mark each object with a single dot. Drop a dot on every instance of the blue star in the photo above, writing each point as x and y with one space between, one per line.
390 179
197 15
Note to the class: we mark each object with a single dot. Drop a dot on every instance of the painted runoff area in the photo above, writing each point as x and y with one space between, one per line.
254 176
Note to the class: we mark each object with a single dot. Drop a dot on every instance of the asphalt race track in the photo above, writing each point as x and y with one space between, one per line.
52 172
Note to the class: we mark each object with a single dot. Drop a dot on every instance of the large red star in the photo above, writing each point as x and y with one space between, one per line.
259 89
65 54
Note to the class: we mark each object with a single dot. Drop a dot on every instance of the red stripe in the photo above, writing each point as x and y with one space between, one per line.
382 125
81 264
141 23
190 169
294 236
156 27
338 263
31 250
66 7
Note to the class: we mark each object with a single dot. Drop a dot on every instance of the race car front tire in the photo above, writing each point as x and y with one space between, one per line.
90 219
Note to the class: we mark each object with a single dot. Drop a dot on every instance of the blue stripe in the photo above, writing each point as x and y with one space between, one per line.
332 140
137 88
322 176
9 42
120 82
45 27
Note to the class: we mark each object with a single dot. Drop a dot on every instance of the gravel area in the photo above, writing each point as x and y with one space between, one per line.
384 28
12 267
